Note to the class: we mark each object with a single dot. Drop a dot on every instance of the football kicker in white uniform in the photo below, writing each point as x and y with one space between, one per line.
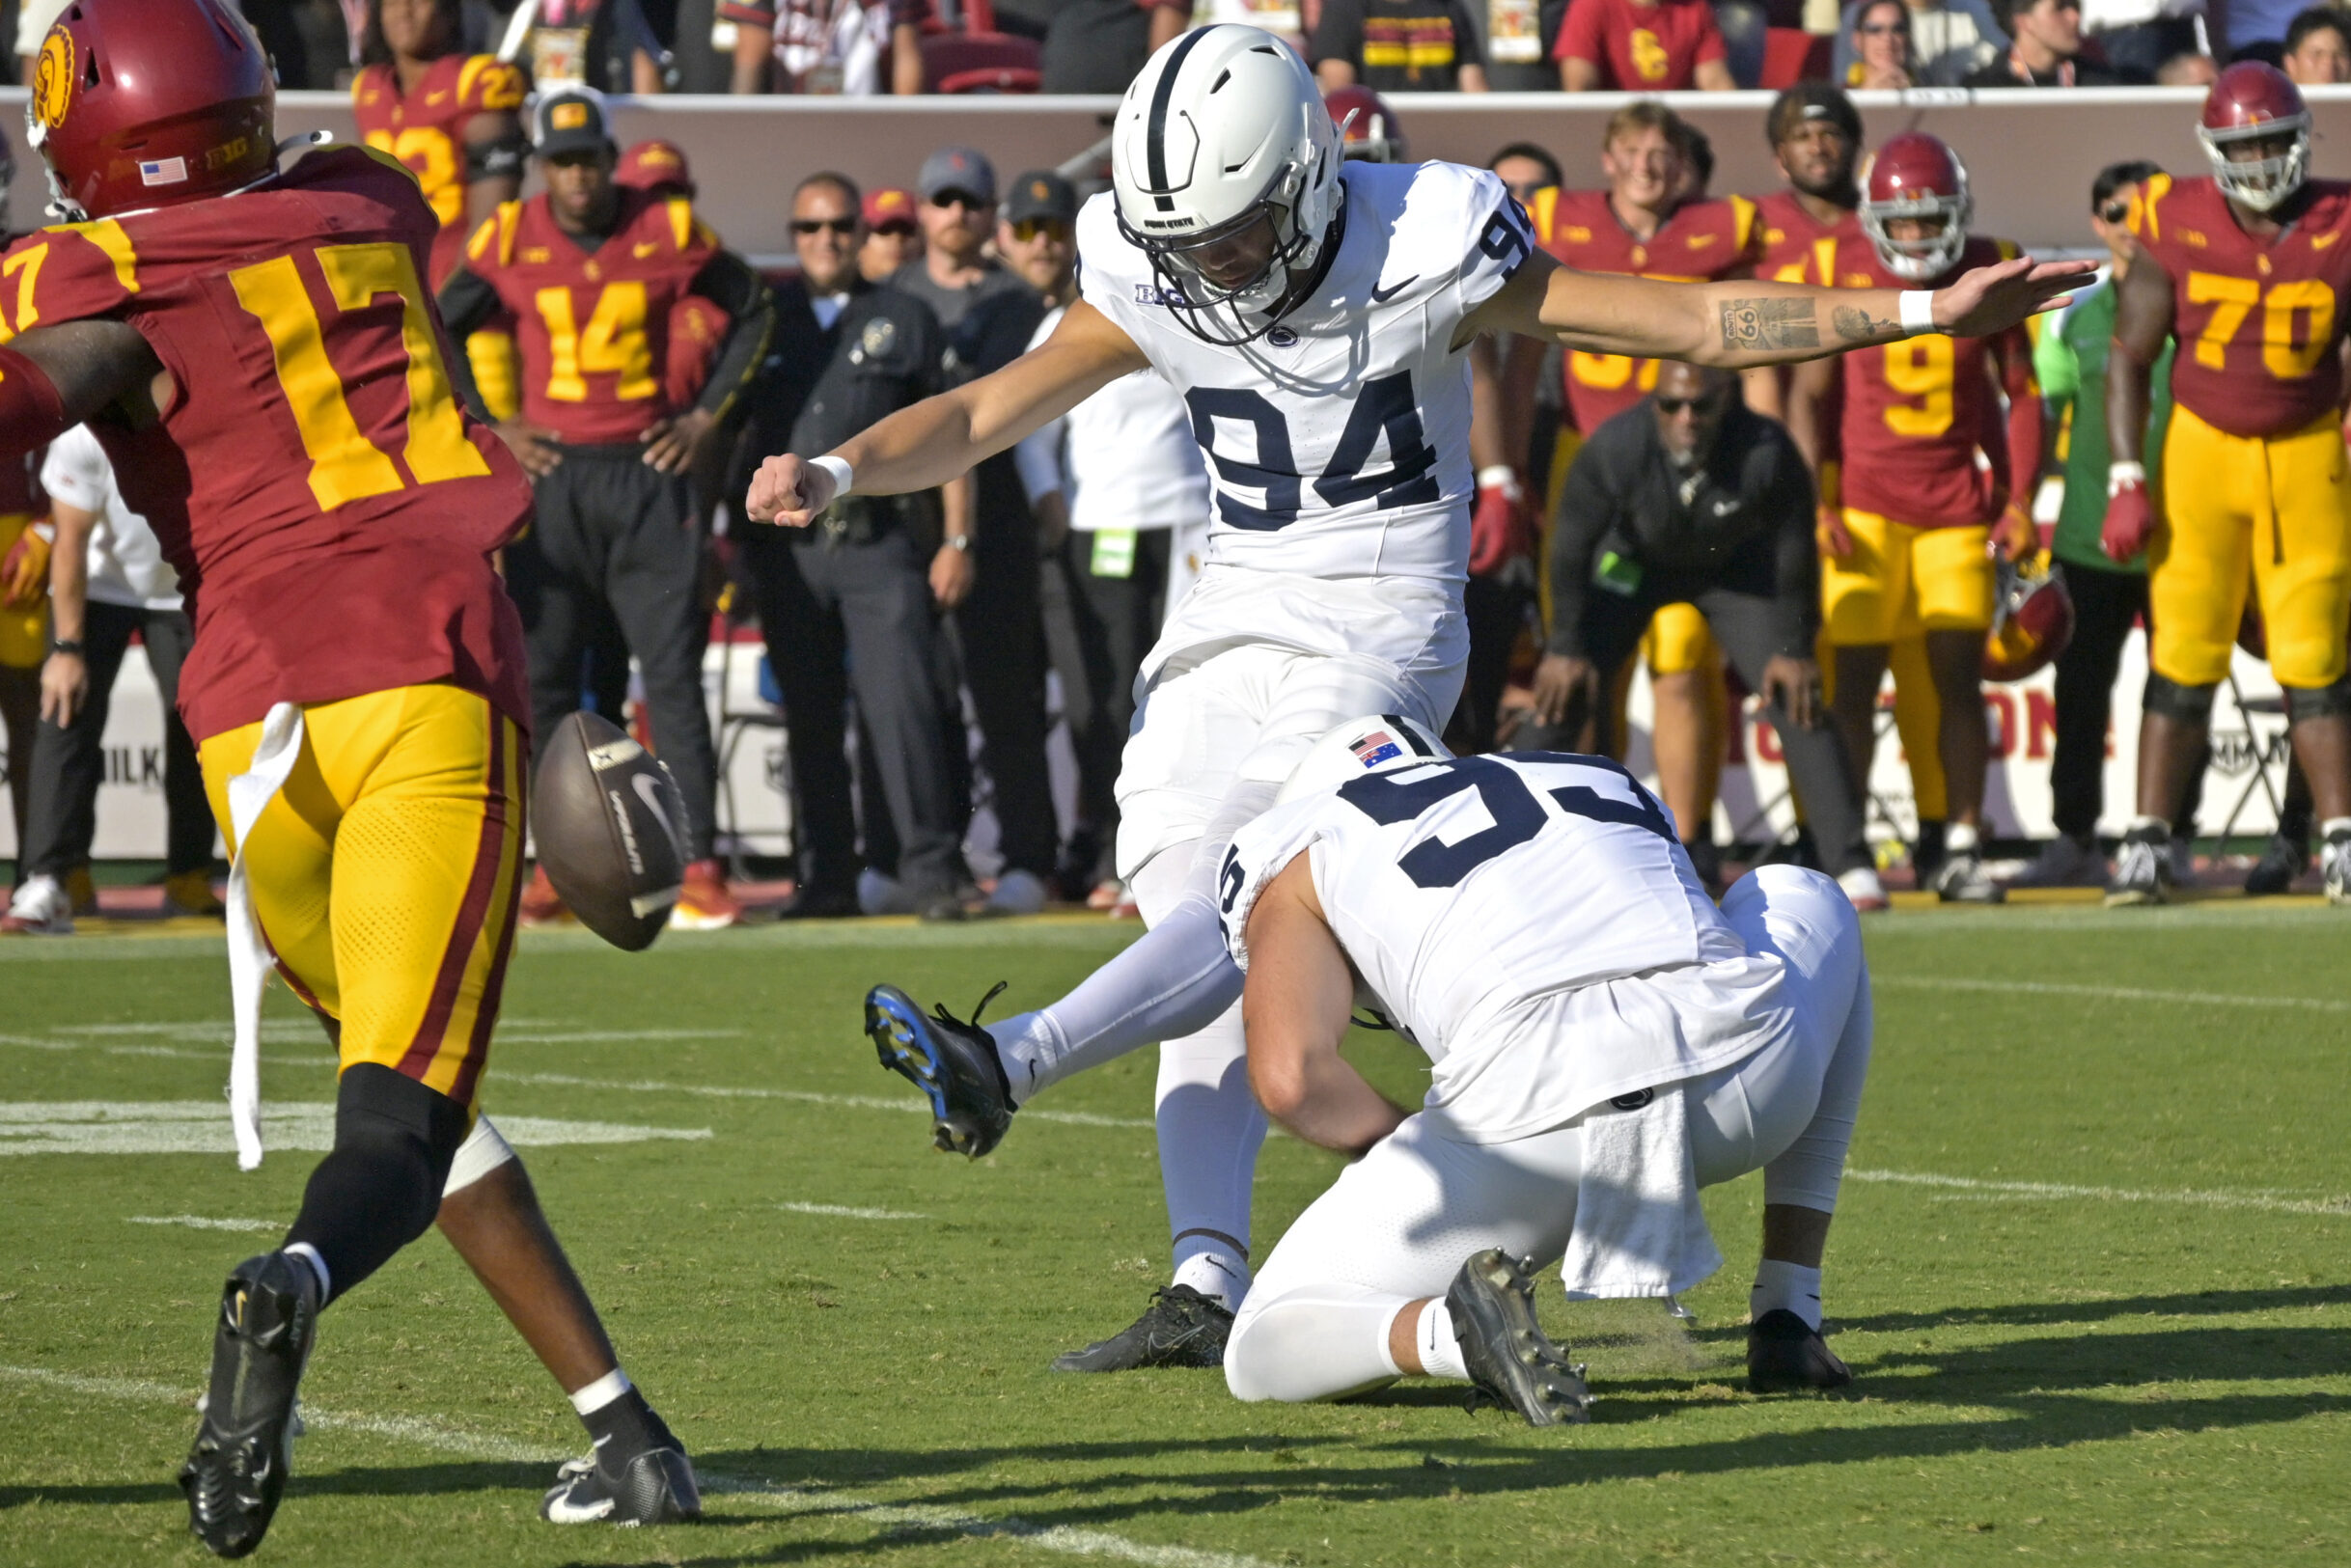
1315 321
1604 1042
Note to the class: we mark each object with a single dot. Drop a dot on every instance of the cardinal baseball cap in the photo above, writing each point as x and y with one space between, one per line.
570 119
1040 193
890 207
656 166
957 169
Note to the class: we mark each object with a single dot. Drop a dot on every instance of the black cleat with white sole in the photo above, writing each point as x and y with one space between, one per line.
1181 1328
952 1062
654 1486
1787 1355
1492 1305
244 1445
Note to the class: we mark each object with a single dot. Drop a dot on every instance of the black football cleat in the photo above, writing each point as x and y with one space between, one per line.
1787 1355
950 1060
655 1486
1181 1328
1492 1305
244 1445
2281 866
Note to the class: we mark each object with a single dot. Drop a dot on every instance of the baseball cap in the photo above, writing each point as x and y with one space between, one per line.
570 119
890 204
1040 193
957 168
656 166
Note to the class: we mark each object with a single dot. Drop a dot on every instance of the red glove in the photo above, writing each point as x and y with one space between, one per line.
2130 516
1498 527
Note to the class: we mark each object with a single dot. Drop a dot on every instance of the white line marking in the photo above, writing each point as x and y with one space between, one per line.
427 1433
197 1222
845 1213
201 1127
2337 1208
2115 993
857 1102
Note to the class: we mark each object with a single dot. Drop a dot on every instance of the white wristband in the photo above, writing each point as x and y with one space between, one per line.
1500 476
2118 474
840 471
1917 309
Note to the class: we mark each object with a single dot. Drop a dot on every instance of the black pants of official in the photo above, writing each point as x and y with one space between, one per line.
2105 603
617 544
854 618
1000 642
1098 626
1745 625
1496 608
69 761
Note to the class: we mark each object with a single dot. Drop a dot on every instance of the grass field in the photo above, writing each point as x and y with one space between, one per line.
2091 1270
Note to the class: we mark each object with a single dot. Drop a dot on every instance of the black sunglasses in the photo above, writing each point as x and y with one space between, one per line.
810 226
2114 212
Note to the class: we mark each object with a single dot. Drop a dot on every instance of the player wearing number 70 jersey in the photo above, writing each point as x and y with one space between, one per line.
2251 272
1316 319
258 355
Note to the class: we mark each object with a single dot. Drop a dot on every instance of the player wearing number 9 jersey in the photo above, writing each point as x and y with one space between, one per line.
259 355
1317 319
2250 269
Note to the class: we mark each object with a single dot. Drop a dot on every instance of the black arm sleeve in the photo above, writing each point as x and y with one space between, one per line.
1796 555
1586 510
727 282
466 301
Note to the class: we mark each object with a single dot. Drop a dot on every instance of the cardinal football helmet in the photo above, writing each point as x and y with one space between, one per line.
144 104
1368 128
2031 620
1916 175
2255 102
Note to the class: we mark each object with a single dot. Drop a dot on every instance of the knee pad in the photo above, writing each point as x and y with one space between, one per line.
2189 705
2319 702
388 1113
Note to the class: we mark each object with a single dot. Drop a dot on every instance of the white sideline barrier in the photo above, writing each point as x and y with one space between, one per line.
2031 154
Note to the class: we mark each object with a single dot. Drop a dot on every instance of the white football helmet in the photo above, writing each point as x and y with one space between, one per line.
1226 170
1376 743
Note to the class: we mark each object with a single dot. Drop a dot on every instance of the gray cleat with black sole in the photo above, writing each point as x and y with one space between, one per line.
1510 1358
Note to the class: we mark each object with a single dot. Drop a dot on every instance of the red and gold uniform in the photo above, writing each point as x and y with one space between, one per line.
2254 471
593 325
1915 500
333 515
426 131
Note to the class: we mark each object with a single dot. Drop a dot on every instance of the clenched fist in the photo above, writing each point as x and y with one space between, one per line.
790 491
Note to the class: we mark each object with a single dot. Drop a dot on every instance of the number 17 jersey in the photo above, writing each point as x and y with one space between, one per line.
330 509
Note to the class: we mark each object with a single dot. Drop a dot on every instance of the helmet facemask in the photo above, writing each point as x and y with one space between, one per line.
1917 260
2260 183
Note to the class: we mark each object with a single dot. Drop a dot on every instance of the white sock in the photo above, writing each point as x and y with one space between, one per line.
1788 1286
318 1266
1440 1351
601 1393
2332 826
1959 838
2150 825
1207 1265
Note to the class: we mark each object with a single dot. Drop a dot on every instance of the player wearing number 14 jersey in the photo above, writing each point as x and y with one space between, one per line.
258 355
2251 265
1315 317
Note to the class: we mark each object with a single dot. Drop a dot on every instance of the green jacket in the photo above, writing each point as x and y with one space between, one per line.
2070 363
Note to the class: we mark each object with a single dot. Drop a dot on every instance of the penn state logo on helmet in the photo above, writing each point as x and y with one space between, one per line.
1918 182
1376 743
2255 130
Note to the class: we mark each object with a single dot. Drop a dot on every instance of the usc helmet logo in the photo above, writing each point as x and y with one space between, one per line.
53 80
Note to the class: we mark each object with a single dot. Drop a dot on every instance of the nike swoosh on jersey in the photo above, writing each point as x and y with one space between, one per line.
1381 296
647 249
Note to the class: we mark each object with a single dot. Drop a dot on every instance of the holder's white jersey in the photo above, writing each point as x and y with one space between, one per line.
1530 920
1339 440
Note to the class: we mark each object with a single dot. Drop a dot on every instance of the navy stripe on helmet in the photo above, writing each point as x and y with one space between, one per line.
1154 138
1410 737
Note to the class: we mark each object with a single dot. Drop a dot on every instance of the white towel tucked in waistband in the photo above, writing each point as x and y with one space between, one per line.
1639 1230
249 794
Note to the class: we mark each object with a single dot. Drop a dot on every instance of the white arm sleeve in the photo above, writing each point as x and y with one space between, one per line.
76 472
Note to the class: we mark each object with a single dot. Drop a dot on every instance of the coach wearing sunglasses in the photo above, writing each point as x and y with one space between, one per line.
1690 498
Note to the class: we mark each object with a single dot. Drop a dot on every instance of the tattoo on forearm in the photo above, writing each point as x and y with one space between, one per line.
1856 325
1771 321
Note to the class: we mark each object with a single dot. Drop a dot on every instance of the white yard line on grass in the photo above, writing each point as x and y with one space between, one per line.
197 1222
2113 993
840 1211
427 1433
855 1102
2336 1208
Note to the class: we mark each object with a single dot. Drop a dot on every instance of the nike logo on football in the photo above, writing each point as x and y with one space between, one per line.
1381 296
647 249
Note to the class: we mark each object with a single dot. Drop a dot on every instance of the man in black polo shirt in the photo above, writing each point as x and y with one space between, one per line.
846 605
1687 497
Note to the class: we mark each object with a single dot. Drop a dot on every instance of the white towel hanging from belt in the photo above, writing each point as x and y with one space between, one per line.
250 793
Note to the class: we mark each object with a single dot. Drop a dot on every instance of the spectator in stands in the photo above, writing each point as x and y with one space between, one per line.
1516 38
1285 19
2256 29
856 48
893 234
1526 168
2318 47
1098 45
2046 42
107 581
1947 42
1641 46
1881 48
611 45
846 605
2069 360
2188 69
1397 46
986 573
2138 39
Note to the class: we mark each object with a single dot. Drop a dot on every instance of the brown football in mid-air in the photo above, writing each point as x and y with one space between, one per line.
610 829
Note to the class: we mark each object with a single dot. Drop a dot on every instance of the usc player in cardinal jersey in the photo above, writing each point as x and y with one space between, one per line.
2250 269
1911 535
258 355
